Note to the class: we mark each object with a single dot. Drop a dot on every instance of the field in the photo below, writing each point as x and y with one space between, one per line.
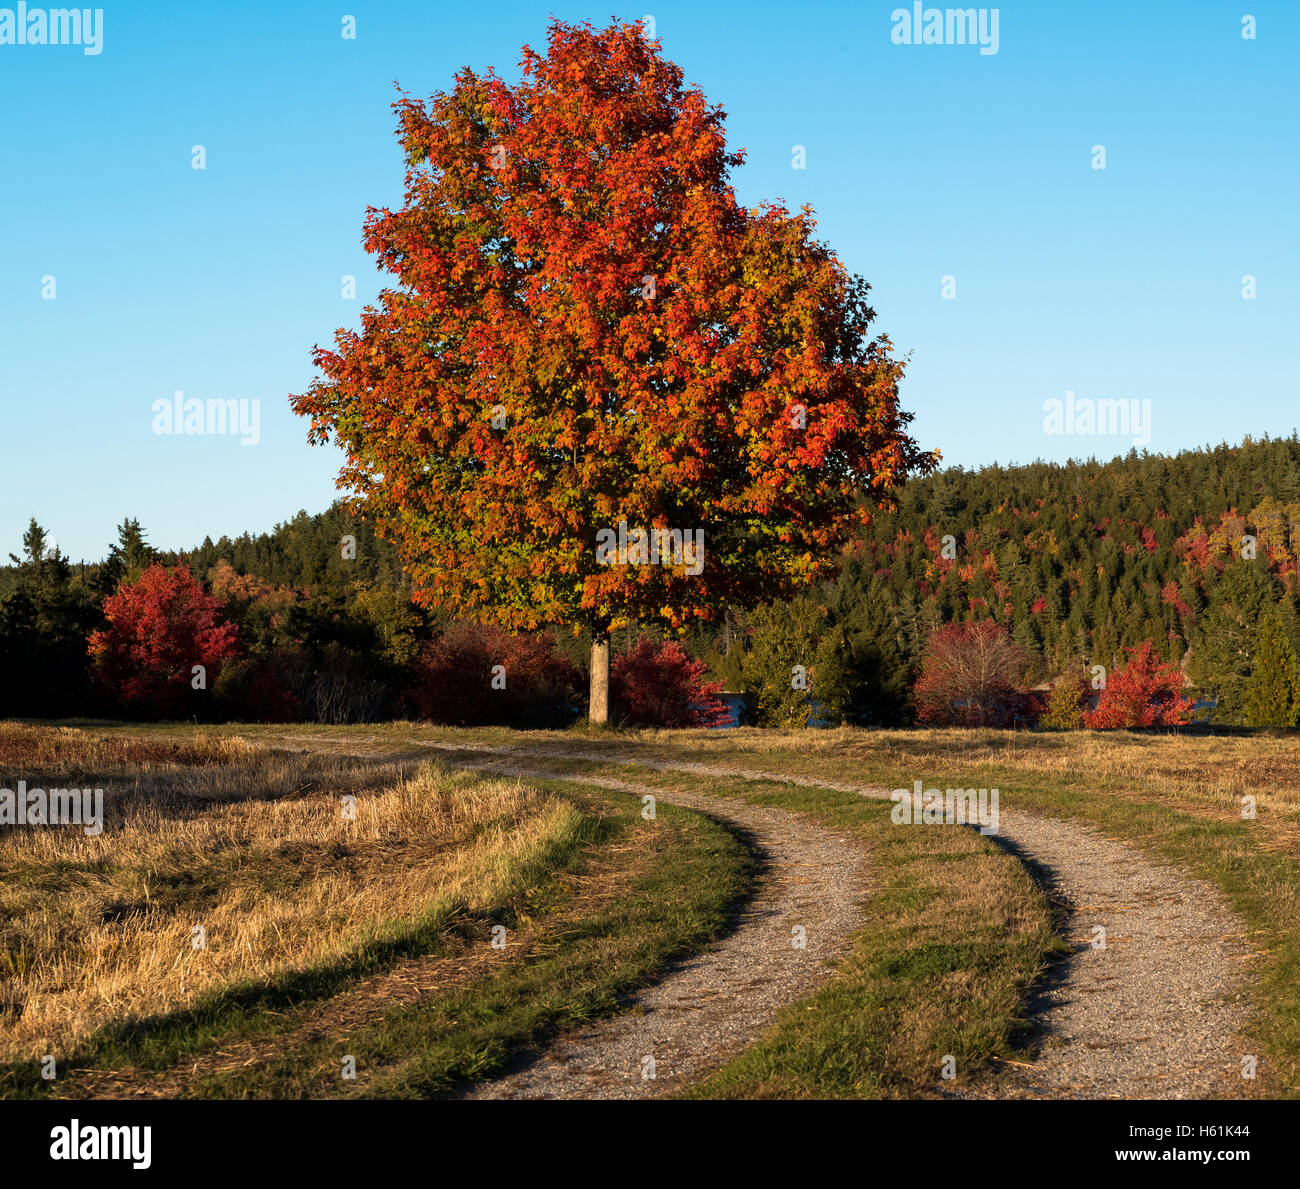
403 911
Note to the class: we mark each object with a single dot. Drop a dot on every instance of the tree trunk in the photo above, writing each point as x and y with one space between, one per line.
598 711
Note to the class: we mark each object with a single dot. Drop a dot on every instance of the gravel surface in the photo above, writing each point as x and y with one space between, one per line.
706 1009
1154 1014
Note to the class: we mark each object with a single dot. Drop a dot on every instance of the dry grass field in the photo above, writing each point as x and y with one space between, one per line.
253 848
347 881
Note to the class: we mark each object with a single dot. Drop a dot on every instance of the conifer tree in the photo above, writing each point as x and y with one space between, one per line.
1223 657
1272 695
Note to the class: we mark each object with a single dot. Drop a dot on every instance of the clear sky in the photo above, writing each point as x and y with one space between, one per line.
922 162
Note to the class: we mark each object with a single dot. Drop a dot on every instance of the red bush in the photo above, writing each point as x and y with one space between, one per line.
658 684
159 628
1145 693
972 675
256 690
452 679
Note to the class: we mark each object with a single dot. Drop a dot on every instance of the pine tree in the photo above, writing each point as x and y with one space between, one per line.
778 669
1272 696
127 559
864 675
44 618
1222 659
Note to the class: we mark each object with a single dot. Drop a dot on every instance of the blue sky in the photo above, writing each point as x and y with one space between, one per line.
922 161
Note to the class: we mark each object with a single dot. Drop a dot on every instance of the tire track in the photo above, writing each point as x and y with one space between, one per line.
707 1008
1152 1008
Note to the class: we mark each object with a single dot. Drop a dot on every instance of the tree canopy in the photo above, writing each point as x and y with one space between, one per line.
587 329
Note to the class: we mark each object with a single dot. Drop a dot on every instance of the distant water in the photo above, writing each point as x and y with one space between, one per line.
736 703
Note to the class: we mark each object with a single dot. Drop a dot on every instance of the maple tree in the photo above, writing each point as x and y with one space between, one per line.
588 328
1144 693
159 627
657 683
453 679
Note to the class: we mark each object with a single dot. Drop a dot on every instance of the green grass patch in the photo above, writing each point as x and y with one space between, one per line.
955 932
1189 818
693 875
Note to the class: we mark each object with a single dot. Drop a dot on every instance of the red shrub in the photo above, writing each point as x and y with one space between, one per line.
1145 693
257 690
658 684
159 628
452 679
971 675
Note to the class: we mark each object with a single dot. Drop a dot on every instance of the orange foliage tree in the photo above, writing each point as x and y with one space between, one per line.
587 328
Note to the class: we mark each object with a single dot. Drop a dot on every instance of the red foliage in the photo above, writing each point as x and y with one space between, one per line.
1145 693
258 690
658 684
1208 551
159 628
453 679
571 249
971 675
1171 595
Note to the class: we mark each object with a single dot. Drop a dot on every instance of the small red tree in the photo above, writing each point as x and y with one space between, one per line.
659 684
1145 693
971 675
159 628
476 674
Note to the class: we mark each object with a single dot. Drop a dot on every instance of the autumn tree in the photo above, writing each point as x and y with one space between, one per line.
160 627
657 683
587 329
1144 693
477 674
972 674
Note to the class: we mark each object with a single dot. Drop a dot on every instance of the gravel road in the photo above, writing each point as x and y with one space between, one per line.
707 1008
1156 1013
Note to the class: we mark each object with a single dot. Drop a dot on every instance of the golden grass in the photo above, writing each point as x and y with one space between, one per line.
24 745
255 848
1202 775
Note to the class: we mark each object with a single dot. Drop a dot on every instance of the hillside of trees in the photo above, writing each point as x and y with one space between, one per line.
1193 553
1072 566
